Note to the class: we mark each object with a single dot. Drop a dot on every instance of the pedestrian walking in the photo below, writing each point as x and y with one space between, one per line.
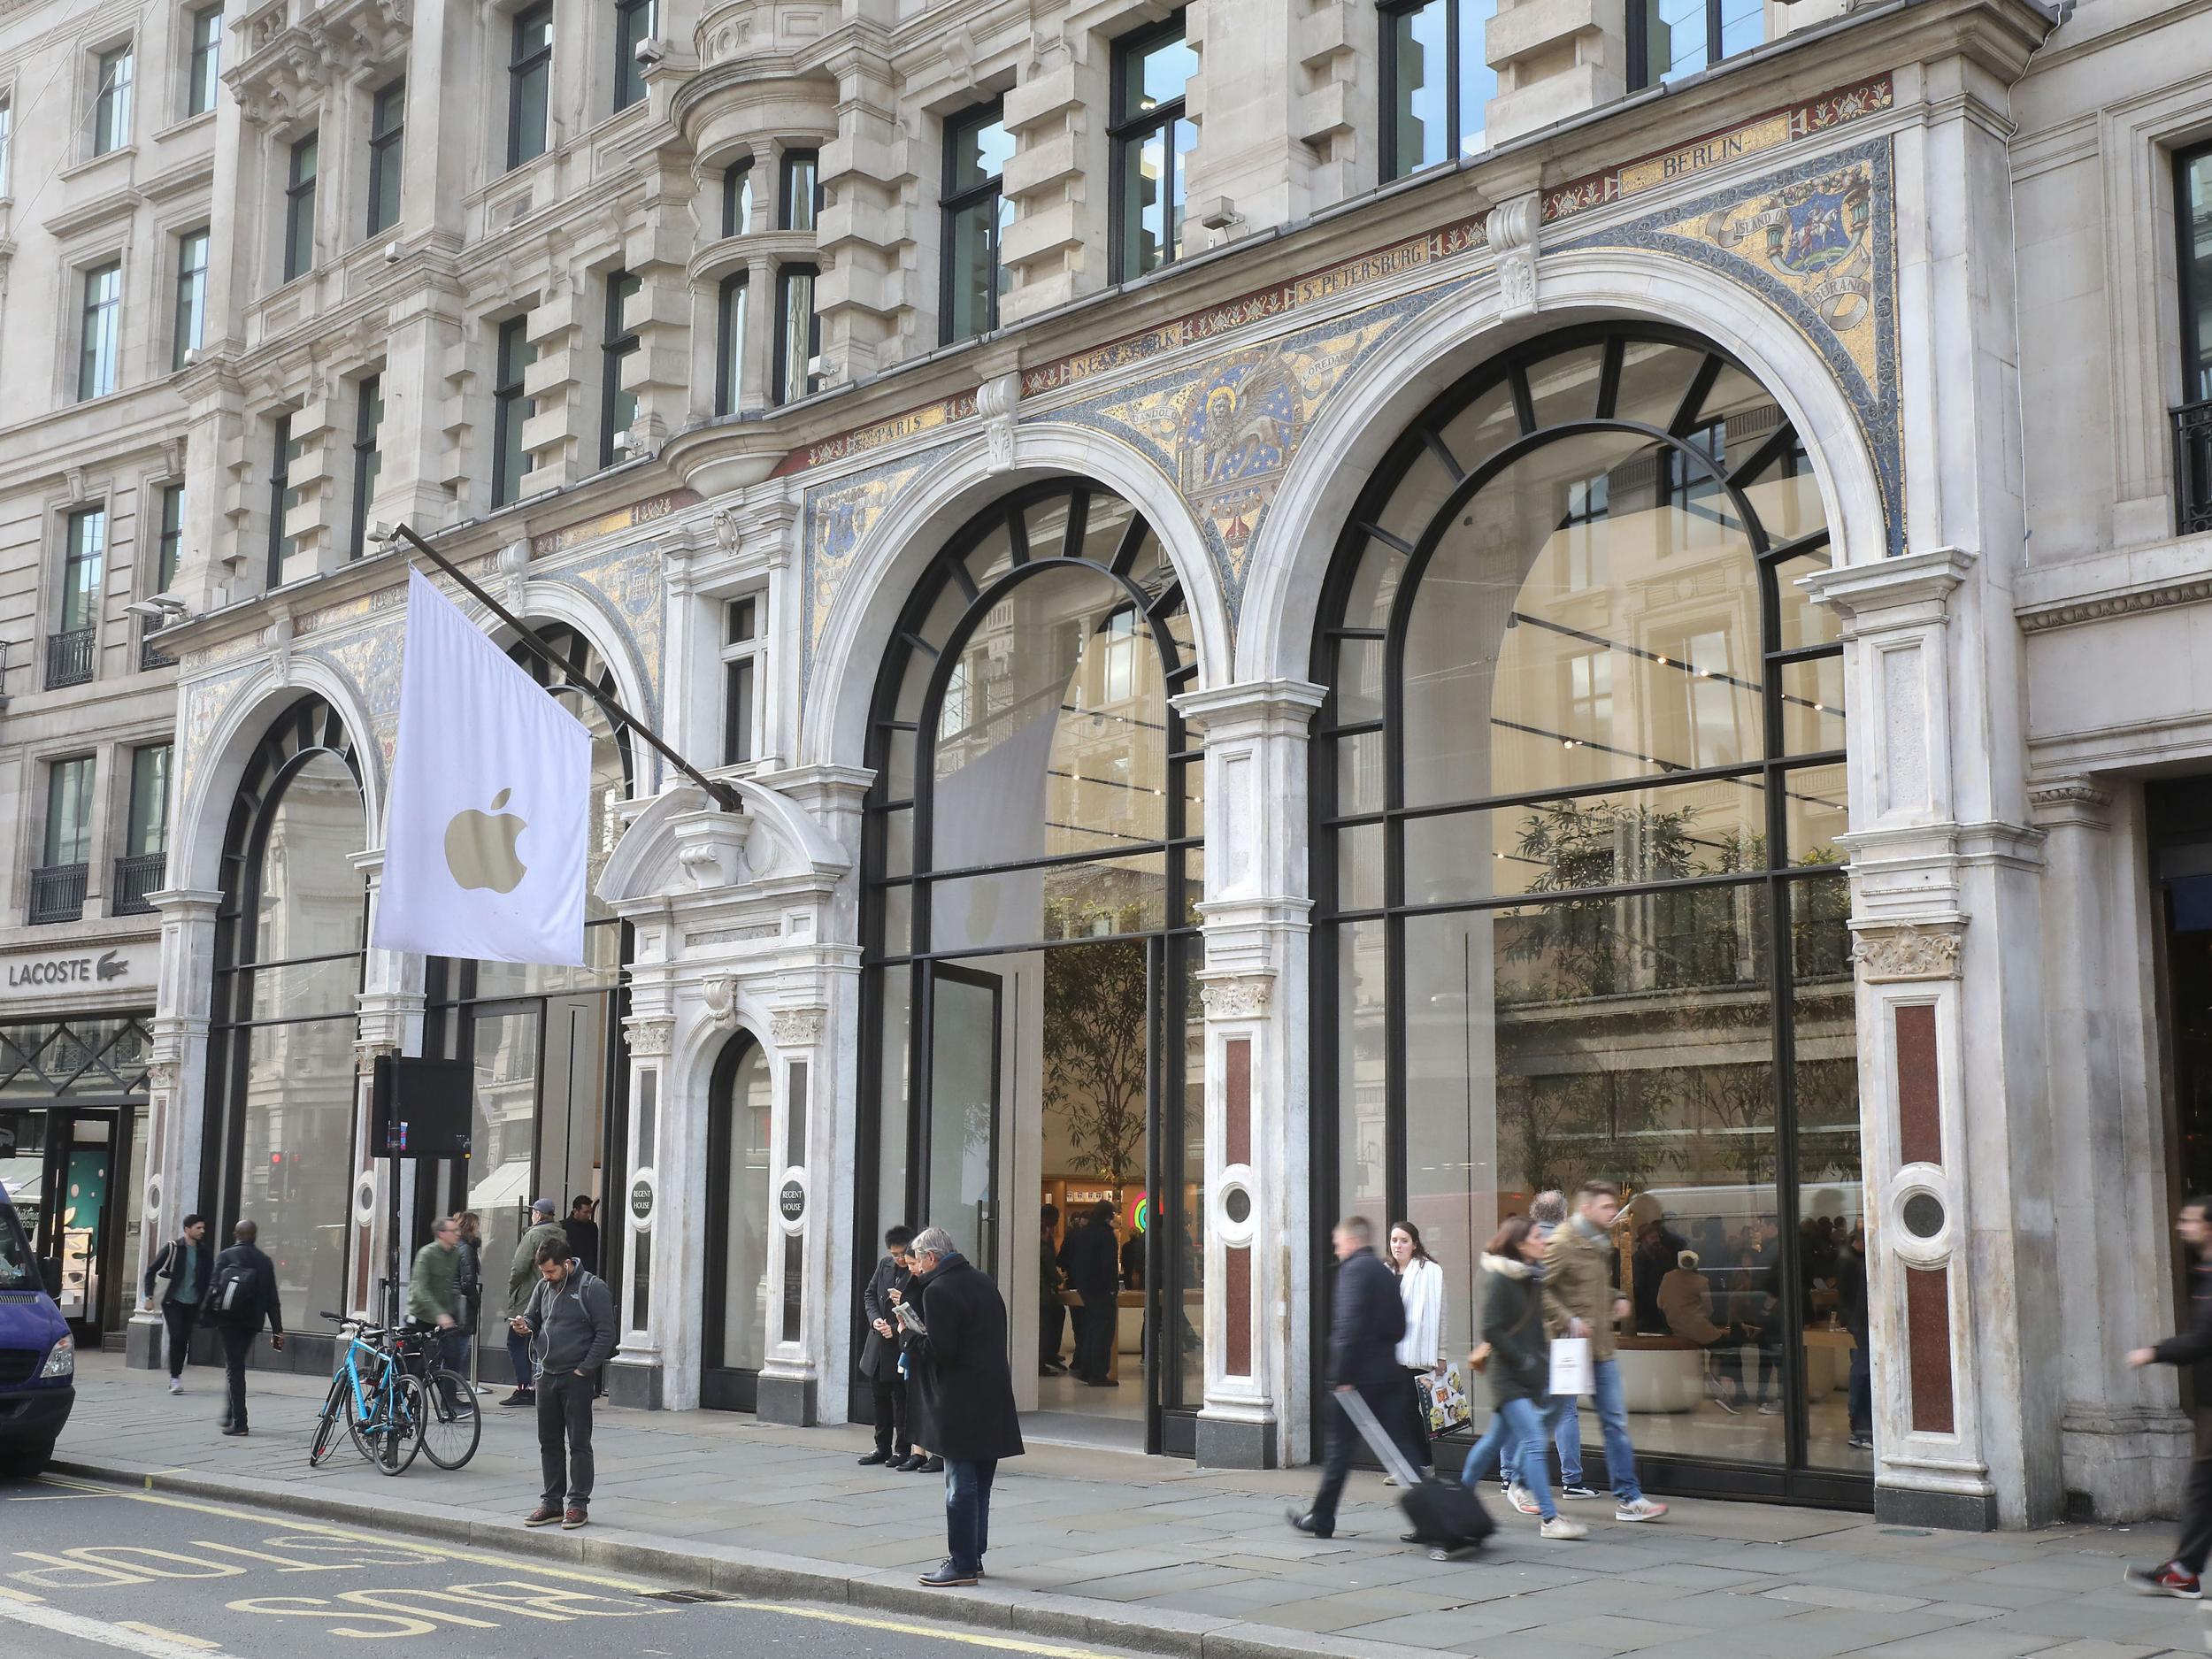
569 1323
968 1390
472 1287
2181 1575
1548 1213
1518 1367
583 1230
1851 1314
187 1263
1052 1313
241 1298
1367 1317
522 1281
880 1359
433 1289
1580 1300
1421 1349
1092 1261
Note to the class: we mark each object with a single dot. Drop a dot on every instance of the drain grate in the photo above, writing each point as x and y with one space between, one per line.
684 1595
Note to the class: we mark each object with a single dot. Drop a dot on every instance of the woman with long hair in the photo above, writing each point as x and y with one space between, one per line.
1421 1350
1518 1364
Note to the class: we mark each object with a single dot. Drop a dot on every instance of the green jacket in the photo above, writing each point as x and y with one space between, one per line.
522 1276
435 1286
1578 1284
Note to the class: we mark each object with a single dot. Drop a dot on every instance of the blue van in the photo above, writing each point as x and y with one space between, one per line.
38 1360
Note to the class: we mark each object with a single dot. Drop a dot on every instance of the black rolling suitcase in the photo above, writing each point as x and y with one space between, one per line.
1446 1516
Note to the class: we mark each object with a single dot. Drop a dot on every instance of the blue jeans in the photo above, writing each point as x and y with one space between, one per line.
968 1511
1515 1441
1566 1433
1620 1456
519 1356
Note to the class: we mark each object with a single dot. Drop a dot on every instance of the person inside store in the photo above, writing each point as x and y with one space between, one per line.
1657 1246
583 1232
1685 1306
1052 1313
1091 1259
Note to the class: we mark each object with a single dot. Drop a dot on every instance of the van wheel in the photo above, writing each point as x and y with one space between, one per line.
25 1458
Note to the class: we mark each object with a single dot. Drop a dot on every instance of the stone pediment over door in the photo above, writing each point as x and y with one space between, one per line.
684 850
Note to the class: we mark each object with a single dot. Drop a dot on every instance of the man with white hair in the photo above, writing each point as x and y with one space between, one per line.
967 1391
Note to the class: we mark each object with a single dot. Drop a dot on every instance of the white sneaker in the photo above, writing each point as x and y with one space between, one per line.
1642 1510
1770 1409
1560 1527
176 1386
1522 1499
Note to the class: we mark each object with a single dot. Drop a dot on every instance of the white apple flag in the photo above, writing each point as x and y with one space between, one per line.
488 820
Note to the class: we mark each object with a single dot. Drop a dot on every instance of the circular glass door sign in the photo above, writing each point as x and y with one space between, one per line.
642 1198
792 1201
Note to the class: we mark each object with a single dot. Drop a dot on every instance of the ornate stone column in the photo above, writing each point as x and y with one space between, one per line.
793 1369
637 1374
177 1089
1254 1212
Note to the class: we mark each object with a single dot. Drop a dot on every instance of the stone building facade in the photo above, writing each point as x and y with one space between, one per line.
1526 593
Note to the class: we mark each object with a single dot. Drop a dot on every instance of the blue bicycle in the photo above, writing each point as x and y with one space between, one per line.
382 1403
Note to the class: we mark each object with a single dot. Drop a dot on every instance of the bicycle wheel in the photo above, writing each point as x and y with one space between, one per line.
450 1423
326 1425
395 1434
361 1415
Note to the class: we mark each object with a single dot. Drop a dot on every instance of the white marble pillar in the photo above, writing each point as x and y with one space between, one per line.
639 1375
1255 1210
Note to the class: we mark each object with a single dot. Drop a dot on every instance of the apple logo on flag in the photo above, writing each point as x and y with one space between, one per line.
480 848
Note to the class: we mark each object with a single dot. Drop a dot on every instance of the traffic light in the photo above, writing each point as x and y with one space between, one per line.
280 1178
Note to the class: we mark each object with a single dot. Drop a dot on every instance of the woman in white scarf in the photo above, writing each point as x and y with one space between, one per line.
1421 1350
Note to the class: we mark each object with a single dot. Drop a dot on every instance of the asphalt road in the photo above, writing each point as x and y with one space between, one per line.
88 1572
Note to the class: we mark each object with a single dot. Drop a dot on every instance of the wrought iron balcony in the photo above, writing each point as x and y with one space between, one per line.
68 657
151 656
135 879
2193 467
58 893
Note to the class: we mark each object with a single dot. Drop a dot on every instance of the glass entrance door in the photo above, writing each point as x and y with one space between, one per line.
740 1108
963 1121
79 1219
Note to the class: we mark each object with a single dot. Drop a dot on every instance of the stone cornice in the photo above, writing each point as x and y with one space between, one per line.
2120 603
1912 589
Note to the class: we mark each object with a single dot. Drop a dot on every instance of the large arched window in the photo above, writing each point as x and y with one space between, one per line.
288 974
1032 865
1580 912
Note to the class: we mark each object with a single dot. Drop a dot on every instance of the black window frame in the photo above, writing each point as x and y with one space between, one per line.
1455 88
77 552
279 485
955 202
743 645
732 301
617 343
368 458
1124 132
190 322
1637 31
112 96
48 852
169 547
388 136
299 204
521 65
787 165
781 389
508 404
203 63
737 190
132 848
104 316
2192 416
629 34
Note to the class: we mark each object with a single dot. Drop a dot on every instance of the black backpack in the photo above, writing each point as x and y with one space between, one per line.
237 1297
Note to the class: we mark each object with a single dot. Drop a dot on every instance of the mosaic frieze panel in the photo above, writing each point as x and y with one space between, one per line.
837 518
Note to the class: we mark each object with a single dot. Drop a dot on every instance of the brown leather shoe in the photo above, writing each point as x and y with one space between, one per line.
544 1515
573 1519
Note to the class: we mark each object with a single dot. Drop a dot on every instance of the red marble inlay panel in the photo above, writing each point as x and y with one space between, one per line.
1919 1120
1237 1127
1237 1294
1928 1335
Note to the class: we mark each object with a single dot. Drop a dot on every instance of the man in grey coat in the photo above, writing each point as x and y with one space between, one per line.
569 1322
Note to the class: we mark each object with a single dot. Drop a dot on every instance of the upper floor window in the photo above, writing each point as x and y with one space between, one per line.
2192 421
283 450
511 409
7 138
69 811
729 353
149 831
101 329
798 335
203 68
299 209
1669 39
168 552
741 651
368 458
112 99
1437 81
633 22
190 330
388 127
529 83
800 190
737 198
83 561
977 214
1152 142
618 407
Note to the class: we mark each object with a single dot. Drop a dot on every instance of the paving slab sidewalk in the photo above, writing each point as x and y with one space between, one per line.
1155 1554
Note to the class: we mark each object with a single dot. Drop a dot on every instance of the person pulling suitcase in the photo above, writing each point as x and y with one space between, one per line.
1445 1515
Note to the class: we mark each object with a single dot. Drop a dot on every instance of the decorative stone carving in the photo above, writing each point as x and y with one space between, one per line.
1907 953
719 994
796 1028
2073 792
995 401
163 1075
1245 997
649 1039
729 534
733 935
1512 230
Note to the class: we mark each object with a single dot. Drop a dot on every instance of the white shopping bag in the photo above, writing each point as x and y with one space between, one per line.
1571 1365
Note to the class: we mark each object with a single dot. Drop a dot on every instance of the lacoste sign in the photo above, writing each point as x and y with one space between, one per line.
117 971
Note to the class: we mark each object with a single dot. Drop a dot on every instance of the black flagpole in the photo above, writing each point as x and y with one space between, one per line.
722 795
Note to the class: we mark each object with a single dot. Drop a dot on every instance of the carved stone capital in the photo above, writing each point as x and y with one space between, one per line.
1907 952
2078 801
1512 229
1245 997
797 1027
649 1038
163 1075
995 401
719 994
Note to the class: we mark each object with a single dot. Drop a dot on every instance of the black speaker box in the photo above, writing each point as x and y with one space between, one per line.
419 1108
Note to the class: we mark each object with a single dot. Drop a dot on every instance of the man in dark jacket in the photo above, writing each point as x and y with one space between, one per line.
242 1296
1366 1317
187 1263
1052 1313
880 1359
1851 1312
1092 1261
967 1391
2181 1576
569 1322
583 1232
